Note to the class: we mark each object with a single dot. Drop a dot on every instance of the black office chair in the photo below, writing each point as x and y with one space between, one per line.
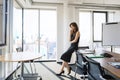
95 71
81 64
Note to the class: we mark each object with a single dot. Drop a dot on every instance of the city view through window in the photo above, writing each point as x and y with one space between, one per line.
38 31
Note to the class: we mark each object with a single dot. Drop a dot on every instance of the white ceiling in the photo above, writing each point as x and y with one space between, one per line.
53 3
36 3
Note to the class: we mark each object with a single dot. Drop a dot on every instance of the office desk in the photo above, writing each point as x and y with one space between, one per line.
20 57
104 63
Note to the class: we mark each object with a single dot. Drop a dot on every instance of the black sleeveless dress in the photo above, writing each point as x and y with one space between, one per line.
74 46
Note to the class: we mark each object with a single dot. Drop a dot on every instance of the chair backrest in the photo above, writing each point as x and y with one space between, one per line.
94 68
80 60
79 56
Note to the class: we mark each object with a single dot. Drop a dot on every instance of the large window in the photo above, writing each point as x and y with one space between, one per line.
30 30
90 23
37 33
17 29
48 30
98 19
85 28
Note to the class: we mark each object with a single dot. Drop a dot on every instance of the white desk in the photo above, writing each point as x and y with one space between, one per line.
20 57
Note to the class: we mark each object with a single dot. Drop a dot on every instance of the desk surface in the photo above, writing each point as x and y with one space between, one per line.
108 67
104 63
19 56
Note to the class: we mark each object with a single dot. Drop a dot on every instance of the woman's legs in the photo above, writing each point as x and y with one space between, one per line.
66 58
65 64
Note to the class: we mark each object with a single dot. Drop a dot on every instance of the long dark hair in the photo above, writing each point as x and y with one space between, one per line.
75 25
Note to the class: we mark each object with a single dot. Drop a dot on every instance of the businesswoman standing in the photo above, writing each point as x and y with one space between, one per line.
74 40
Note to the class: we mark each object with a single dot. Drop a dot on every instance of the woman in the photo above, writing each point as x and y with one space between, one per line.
74 40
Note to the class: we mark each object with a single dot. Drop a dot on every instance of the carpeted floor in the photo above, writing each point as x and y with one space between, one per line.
48 70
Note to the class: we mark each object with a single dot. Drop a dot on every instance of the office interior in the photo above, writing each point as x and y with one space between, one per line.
42 26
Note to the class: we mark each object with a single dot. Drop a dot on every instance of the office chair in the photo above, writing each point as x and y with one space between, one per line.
95 71
81 63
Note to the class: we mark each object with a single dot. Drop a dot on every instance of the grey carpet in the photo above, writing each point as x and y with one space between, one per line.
48 70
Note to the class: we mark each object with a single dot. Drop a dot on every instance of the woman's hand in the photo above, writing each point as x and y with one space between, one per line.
71 31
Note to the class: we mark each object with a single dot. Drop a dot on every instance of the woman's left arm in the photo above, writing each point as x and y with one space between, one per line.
76 37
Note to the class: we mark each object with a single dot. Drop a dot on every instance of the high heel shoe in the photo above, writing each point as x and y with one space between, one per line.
59 74
69 71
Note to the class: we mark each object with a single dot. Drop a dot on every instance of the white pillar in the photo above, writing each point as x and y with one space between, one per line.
60 30
66 25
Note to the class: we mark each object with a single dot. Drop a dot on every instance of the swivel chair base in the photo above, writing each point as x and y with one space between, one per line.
83 77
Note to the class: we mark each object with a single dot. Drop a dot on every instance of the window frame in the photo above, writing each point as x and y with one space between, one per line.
106 14
5 22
